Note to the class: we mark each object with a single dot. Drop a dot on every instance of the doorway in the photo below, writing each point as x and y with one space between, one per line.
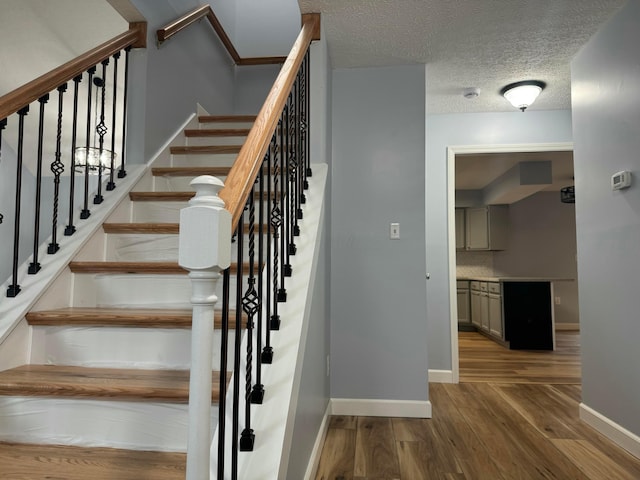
480 151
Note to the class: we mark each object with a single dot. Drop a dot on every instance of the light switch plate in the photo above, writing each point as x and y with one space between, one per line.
394 231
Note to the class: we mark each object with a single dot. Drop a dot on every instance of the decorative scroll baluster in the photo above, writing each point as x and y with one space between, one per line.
34 267
71 229
122 172
3 125
111 184
276 223
257 393
14 288
250 305
86 213
101 130
57 167
267 352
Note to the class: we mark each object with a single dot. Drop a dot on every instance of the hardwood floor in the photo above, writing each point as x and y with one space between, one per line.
513 416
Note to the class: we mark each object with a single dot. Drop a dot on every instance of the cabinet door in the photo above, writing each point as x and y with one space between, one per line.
463 306
484 311
475 308
495 315
477 232
460 229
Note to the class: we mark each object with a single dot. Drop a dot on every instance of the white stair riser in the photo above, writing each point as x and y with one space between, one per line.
229 124
119 347
205 141
157 247
96 423
203 159
137 290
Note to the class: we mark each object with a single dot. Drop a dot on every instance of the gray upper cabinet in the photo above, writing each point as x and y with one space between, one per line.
461 240
486 227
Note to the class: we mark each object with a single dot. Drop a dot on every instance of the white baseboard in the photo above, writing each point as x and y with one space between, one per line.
567 326
440 376
380 408
614 432
314 459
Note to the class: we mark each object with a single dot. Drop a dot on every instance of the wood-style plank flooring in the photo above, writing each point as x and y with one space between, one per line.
513 416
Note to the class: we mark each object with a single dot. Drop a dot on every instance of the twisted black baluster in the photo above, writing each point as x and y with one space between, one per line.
303 131
267 351
57 167
111 184
282 292
276 223
71 229
86 213
14 288
101 129
250 305
306 63
236 360
257 394
34 267
287 251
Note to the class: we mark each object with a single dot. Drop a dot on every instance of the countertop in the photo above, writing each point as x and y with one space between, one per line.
516 279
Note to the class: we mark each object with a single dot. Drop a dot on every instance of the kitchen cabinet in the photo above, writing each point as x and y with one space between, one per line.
480 305
464 313
486 227
461 240
495 310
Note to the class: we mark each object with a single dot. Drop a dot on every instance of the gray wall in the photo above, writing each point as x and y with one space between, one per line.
266 28
192 67
542 243
457 130
378 324
606 116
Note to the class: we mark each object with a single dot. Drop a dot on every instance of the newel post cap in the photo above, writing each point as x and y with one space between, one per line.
205 228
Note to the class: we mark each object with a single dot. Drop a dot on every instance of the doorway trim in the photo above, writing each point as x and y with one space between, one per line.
452 151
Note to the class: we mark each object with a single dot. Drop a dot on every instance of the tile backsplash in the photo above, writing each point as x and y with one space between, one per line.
474 264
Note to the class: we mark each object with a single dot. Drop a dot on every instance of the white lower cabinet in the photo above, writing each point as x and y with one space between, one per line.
475 304
495 310
486 307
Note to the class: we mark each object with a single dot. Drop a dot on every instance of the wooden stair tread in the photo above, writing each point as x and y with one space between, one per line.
189 171
226 118
153 228
106 383
22 461
216 132
122 317
150 228
157 268
204 149
174 196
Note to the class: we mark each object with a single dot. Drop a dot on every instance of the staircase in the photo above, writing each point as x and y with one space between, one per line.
108 375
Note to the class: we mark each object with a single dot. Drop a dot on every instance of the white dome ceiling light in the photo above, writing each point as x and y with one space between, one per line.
523 94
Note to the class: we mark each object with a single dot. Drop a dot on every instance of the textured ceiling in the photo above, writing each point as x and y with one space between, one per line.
466 43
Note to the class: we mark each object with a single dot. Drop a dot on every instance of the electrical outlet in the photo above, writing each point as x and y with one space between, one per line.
558 301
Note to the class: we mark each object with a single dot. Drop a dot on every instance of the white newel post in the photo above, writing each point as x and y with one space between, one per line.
204 250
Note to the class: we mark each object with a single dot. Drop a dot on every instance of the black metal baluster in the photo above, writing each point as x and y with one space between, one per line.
3 125
57 167
267 351
294 171
122 172
101 129
111 185
276 222
86 213
14 288
34 267
286 183
250 305
237 345
257 393
306 63
282 292
302 99
71 229
299 155
224 349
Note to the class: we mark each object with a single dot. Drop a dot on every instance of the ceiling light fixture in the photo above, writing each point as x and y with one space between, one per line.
523 94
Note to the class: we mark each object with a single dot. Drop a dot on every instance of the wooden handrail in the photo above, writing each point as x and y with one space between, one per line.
243 174
30 92
205 11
